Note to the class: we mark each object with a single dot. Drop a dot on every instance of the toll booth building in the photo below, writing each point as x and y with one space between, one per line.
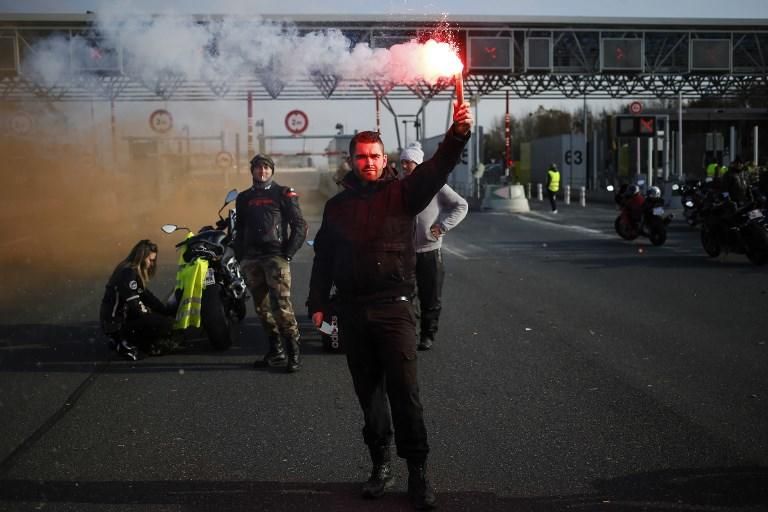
639 144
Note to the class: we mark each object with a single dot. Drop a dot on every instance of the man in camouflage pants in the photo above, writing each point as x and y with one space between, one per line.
269 230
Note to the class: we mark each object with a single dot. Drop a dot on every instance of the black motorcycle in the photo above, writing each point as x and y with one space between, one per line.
742 230
692 197
224 290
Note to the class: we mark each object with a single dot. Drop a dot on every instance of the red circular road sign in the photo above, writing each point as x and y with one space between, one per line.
635 107
21 123
224 159
296 122
161 121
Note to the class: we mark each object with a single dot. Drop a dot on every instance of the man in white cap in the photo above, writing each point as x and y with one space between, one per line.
446 210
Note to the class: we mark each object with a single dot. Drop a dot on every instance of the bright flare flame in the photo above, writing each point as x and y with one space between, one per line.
439 61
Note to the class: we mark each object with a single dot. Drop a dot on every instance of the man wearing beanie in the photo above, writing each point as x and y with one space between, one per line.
269 230
446 210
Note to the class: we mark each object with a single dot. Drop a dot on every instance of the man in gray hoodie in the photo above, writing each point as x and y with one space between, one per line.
446 210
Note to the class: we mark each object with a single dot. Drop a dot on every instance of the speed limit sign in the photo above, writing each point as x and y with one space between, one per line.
224 159
635 107
161 121
296 122
21 123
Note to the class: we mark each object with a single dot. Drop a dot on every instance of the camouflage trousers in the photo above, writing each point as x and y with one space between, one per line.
269 280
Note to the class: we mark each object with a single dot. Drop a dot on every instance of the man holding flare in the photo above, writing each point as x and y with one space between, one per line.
365 248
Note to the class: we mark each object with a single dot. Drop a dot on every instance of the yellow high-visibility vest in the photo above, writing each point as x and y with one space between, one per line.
711 170
554 180
190 279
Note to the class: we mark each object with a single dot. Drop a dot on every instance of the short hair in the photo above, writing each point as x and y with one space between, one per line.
367 136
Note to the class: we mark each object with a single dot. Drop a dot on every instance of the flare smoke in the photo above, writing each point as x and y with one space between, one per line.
222 49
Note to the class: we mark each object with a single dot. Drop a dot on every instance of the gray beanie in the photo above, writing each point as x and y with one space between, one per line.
413 153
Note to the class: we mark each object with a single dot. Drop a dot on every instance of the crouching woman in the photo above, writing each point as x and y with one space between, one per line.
131 315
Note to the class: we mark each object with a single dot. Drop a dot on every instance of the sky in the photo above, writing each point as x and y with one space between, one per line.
324 115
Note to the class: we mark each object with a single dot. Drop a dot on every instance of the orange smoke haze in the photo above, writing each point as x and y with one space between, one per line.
68 216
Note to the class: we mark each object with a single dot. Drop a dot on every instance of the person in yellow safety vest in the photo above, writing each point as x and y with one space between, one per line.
722 170
553 186
712 169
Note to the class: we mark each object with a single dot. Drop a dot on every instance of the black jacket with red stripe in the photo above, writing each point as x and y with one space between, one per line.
268 222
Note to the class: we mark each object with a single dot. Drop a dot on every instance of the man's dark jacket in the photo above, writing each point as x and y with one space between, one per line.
365 243
264 216
736 183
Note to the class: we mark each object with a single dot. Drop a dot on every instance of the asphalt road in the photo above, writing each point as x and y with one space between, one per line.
573 371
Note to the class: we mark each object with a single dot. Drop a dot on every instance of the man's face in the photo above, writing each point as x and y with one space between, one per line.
369 160
261 172
408 166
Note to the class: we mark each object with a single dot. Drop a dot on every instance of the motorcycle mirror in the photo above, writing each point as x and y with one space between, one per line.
609 188
231 196
169 228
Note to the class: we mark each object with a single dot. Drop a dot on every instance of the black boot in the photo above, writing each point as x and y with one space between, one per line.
426 342
276 354
292 346
127 351
381 477
420 491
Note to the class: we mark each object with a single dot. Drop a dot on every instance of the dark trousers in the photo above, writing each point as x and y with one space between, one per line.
552 199
144 331
380 344
430 274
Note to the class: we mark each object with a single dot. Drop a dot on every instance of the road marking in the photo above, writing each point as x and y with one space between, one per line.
571 227
455 252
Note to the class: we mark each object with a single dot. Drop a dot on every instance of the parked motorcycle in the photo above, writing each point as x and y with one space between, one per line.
641 215
742 230
224 292
692 197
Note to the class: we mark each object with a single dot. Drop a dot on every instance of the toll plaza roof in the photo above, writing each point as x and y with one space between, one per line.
522 55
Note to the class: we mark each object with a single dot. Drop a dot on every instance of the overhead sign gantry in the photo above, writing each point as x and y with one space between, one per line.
529 57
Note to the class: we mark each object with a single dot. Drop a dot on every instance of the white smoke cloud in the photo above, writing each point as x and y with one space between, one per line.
156 47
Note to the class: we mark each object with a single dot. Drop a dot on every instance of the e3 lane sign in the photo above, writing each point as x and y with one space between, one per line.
635 126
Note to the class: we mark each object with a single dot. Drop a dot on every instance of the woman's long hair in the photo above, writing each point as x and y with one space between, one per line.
136 260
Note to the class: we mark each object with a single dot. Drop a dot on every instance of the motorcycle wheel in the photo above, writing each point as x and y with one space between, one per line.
710 243
220 328
657 233
623 230
240 310
756 238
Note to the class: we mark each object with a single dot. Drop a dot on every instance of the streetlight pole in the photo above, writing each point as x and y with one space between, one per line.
260 125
